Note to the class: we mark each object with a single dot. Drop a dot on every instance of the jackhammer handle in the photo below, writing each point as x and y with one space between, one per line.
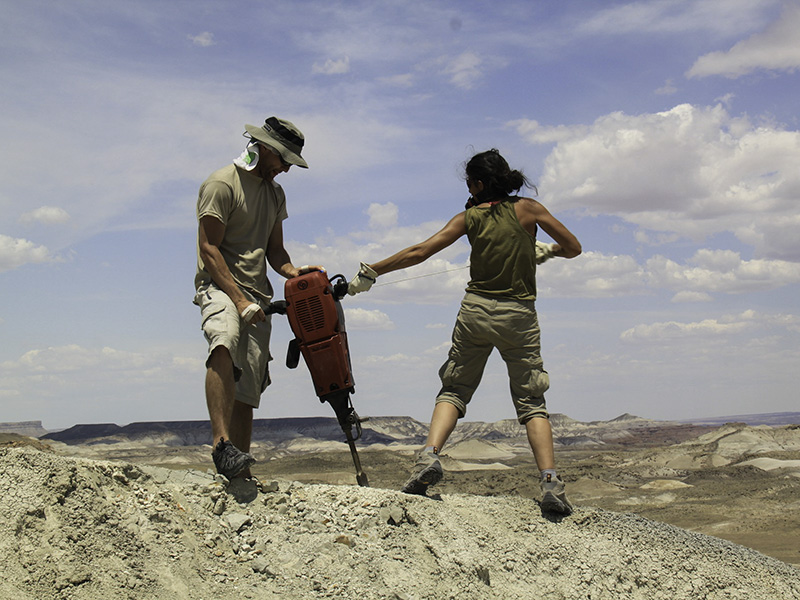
339 284
279 306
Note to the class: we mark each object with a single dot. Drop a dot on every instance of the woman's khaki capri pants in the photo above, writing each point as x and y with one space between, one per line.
512 327
248 344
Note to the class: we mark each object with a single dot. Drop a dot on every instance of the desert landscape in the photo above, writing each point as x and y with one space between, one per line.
663 510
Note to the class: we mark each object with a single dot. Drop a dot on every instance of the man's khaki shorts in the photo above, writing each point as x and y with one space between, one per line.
512 327
248 345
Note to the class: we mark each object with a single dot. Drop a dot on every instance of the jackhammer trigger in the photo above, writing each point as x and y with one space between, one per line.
293 354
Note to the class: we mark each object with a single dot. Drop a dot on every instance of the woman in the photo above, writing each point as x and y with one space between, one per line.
497 312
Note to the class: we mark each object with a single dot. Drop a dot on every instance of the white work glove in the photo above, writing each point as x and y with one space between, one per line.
363 281
249 313
544 252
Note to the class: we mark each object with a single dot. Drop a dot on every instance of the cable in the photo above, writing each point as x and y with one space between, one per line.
421 276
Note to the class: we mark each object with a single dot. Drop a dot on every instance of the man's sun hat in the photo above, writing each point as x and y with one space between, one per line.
283 136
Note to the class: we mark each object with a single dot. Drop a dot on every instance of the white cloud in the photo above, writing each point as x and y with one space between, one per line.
439 349
667 89
52 380
465 70
335 146
671 330
47 215
382 215
691 171
723 327
723 18
332 67
64 370
439 280
361 319
597 275
403 80
15 252
688 296
655 238
73 358
401 359
204 39
534 133
775 49
721 271
442 278
592 275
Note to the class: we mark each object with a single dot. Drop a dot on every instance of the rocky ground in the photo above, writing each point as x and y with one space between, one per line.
707 484
82 528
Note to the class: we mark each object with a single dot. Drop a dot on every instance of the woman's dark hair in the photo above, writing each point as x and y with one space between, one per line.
499 180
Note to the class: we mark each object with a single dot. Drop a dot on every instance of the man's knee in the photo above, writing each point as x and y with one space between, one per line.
221 363
220 356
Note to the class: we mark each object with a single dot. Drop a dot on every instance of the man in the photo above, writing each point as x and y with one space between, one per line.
240 210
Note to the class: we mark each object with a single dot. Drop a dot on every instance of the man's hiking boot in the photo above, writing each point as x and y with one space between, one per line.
554 497
427 471
229 460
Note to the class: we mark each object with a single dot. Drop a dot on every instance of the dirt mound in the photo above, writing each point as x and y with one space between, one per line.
85 529
477 450
16 440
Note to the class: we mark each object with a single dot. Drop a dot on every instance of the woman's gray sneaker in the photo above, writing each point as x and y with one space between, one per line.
427 472
554 497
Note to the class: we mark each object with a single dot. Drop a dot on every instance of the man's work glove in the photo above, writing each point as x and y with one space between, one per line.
544 252
250 314
363 281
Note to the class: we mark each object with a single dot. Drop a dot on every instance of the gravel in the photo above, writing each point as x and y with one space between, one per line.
88 529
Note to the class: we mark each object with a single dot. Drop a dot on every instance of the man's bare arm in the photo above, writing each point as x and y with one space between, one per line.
210 235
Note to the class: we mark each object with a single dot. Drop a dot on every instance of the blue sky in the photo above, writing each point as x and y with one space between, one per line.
663 133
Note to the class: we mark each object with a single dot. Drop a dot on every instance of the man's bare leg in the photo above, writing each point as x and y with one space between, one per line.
241 426
241 429
220 392
230 419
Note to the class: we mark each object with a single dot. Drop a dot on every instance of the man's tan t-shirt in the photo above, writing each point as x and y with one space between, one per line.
249 207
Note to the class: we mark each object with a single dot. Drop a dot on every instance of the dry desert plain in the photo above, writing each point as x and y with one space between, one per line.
135 512
733 481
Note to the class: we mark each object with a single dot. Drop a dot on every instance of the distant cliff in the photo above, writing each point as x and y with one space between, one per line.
29 428
376 430
195 433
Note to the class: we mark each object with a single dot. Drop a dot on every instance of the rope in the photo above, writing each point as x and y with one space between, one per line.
421 276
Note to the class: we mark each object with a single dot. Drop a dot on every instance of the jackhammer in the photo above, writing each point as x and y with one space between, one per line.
312 304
